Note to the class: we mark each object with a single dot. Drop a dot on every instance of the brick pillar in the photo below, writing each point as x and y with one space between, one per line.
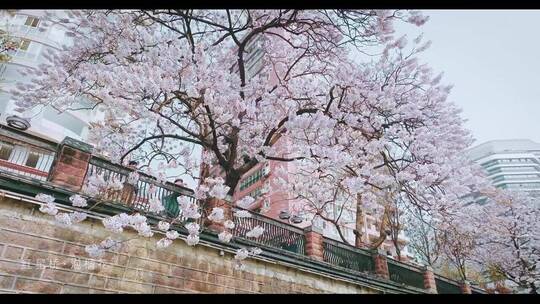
314 242
465 287
429 280
381 265
212 203
501 289
71 164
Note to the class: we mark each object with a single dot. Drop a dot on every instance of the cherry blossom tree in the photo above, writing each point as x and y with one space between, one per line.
165 81
424 239
509 238
246 87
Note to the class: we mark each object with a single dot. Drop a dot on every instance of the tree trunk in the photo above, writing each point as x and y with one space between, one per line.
358 232
398 251
231 180
534 289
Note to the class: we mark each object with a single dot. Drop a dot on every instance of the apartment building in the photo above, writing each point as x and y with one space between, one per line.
36 34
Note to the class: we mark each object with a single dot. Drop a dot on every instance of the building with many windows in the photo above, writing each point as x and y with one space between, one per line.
510 164
35 35
260 183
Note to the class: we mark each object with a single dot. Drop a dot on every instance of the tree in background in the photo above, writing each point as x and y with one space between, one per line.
509 239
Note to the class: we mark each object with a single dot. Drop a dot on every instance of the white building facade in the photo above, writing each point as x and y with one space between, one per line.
510 164
36 35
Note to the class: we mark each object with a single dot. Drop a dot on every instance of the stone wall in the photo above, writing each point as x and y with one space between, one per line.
38 255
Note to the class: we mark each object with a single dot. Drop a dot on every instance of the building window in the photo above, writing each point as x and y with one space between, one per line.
65 120
5 151
32 159
256 193
25 43
31 21
252 179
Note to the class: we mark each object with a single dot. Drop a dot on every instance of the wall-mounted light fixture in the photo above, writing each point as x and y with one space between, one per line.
18 123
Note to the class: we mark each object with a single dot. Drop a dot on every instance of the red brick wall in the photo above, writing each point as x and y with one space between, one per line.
39 256
381 265
70 168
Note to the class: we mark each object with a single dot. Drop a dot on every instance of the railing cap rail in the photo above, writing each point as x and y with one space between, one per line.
363 251
271 220
102 162
420 269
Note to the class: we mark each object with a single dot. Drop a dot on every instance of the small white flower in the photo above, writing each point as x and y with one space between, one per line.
133 178
63 218
124 218
219 191
164 226
216 215
256 251
192 240
45 198
49 208
225 236
163 243
77 217
115 185
191 213
78 201
113 224
229 224
193 228
255 232
245 202
171 234
143 229
201 192
94 251
155 205
109 243
137 219
241 254
242 214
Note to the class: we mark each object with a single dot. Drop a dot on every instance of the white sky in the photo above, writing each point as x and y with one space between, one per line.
492 57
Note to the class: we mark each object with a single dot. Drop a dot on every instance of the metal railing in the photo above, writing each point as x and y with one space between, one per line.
343 255
24 159
136 196
276 234
406 274
23 154
447 286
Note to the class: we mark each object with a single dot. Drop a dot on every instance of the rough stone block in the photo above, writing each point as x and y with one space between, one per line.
6 281
18 268
65 276
37 286
13 253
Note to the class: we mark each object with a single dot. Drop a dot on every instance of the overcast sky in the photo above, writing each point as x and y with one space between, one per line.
492 57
